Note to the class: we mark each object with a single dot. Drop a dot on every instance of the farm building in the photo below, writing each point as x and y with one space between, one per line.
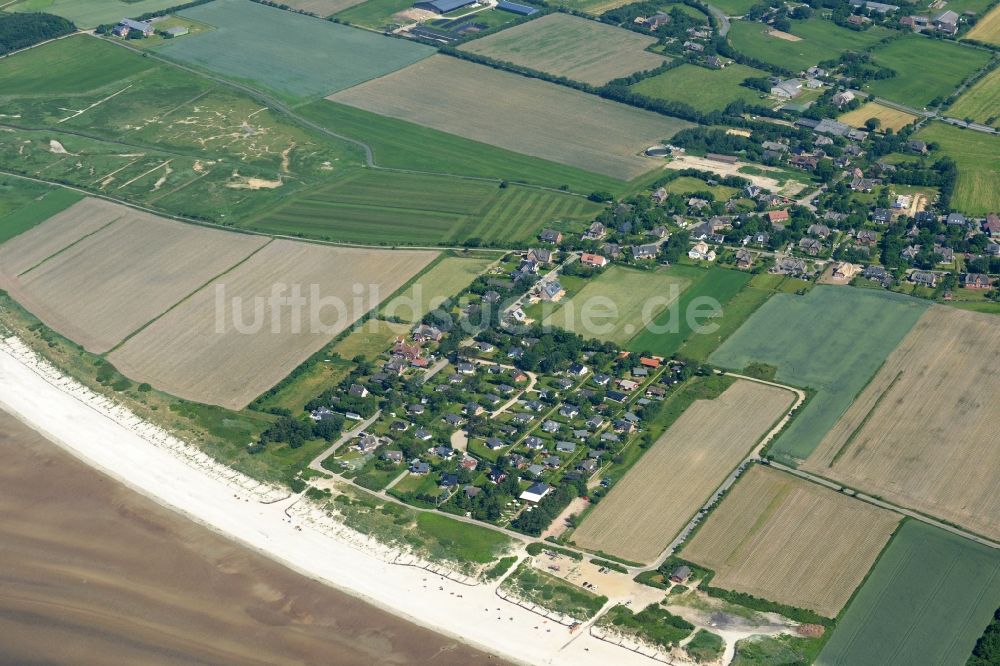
443 6
516 8
125 26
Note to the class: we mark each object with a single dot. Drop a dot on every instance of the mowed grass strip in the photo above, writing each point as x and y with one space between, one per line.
977 191
689 317
926 69
617 303
443 280
819 40
987 29
605 137
404 145
228 343
112 282
704 89
31 213
799 335
570 46
681 470
294 55
981 102
920 432
68 66
888 118
778 537
927 601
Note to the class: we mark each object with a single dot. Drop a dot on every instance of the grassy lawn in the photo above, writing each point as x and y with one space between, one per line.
294 55
555 594
375 14
819 40
800 334
704 89
369 339
981 102
442 280
926 69
23 204
296 393
403 145
618 302
469 542
393 208
926 602
690 184
674 326
978 157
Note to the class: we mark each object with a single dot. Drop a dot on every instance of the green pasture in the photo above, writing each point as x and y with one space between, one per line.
927 601
926 69
819 40
981 102
442 280
24 206
402 145
374 14
294 55
370 339
977 191
704 89
831 340
676 324
92 13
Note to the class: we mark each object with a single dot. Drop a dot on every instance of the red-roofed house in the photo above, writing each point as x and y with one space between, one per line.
593 260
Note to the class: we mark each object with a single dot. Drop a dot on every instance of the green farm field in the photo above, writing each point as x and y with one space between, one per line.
704 89
23 206
392 208
443 279
819 40
576 48
802 335
613 306
369 339
402 145
734 7
708 285
91 13
981 102
690 185
374 14
927 601
978 157
293 55
926 69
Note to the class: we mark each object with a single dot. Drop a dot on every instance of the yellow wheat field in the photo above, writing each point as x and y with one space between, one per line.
781 538
682 469
890 118
987 29
925 433
214 349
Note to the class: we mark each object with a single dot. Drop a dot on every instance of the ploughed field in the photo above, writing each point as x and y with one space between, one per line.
680 471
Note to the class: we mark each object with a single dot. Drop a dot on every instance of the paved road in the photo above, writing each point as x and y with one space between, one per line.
317 465
723 20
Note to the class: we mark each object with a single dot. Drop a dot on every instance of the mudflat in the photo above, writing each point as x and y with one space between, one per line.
96 573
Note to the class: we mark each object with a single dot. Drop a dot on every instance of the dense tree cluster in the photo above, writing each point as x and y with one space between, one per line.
21 30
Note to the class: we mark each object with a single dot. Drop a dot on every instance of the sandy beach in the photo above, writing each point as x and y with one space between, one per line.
61 410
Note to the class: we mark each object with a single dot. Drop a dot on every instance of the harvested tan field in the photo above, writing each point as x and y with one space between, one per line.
42 241
529 116
112 282
889 118
570 46
782 538
682 469
322 8
925 433
787 36
231 341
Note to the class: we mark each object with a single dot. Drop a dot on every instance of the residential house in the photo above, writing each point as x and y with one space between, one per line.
991 225
842 98
946 253
551 290
843 270
659 196
820 230
924 278
357 391
877 274
701 250
640 252
790 266
867 237
595 232
595 260
565 447
976 281
882 215
419 467
810 246
536 492
778 218
394 457
550 236
744 259
956 219
539 255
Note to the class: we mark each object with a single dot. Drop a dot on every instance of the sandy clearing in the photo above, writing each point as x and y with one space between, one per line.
112 282
787 36
474 615
679 162
925 432
661 493
65 228
208 348
778 537
530 116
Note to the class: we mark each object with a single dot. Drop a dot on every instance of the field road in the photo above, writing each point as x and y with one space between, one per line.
316 463
753 456
721 17
886 505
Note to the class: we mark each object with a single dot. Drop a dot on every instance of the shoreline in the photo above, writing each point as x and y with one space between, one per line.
472 615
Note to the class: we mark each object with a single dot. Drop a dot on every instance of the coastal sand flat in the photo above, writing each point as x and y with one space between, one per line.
186 353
